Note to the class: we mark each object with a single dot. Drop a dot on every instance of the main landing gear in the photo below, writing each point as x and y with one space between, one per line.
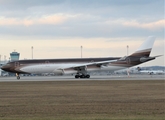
82 76
17 75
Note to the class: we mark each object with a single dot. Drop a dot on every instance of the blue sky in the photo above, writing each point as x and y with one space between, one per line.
57 28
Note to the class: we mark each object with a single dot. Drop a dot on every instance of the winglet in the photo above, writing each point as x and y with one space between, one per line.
145 48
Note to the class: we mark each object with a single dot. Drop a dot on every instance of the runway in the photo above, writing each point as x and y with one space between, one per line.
71 78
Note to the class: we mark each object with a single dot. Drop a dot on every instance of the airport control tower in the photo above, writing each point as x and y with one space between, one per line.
14 56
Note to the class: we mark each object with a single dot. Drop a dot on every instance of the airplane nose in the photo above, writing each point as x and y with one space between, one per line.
5 67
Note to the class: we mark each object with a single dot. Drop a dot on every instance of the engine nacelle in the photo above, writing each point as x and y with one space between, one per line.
69 71
58 72
64 71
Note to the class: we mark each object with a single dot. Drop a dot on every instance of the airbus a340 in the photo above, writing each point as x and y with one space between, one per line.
82 66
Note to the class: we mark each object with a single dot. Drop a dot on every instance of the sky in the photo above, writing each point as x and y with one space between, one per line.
58 28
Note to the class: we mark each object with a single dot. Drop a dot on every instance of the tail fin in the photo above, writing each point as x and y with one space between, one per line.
145 48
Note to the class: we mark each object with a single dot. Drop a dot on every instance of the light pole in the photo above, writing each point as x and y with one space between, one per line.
81 51
5 58
32 51
127 50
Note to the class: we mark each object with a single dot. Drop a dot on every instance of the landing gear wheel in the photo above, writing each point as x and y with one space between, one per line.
87 76
18 77
82 76
77 76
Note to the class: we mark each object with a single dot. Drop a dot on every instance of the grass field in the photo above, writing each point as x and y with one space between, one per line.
83 100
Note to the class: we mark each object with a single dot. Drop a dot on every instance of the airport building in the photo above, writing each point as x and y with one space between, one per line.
14 56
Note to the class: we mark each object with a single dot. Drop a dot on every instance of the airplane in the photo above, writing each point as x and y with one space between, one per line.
151 72
81 66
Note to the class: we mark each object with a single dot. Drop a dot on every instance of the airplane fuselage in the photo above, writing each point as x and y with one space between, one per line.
56 66
64 66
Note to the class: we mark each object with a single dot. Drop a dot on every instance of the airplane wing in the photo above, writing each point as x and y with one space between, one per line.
84 66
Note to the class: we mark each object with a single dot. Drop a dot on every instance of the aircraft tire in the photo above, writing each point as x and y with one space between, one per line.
87 76
77 76
82 76
18 77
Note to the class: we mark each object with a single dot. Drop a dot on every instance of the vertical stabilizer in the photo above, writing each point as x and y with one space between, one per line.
145 48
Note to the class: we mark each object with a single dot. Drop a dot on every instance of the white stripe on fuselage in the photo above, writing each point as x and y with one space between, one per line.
60 68
44 68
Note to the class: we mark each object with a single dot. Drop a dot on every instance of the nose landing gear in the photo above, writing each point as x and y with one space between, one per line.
17 75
